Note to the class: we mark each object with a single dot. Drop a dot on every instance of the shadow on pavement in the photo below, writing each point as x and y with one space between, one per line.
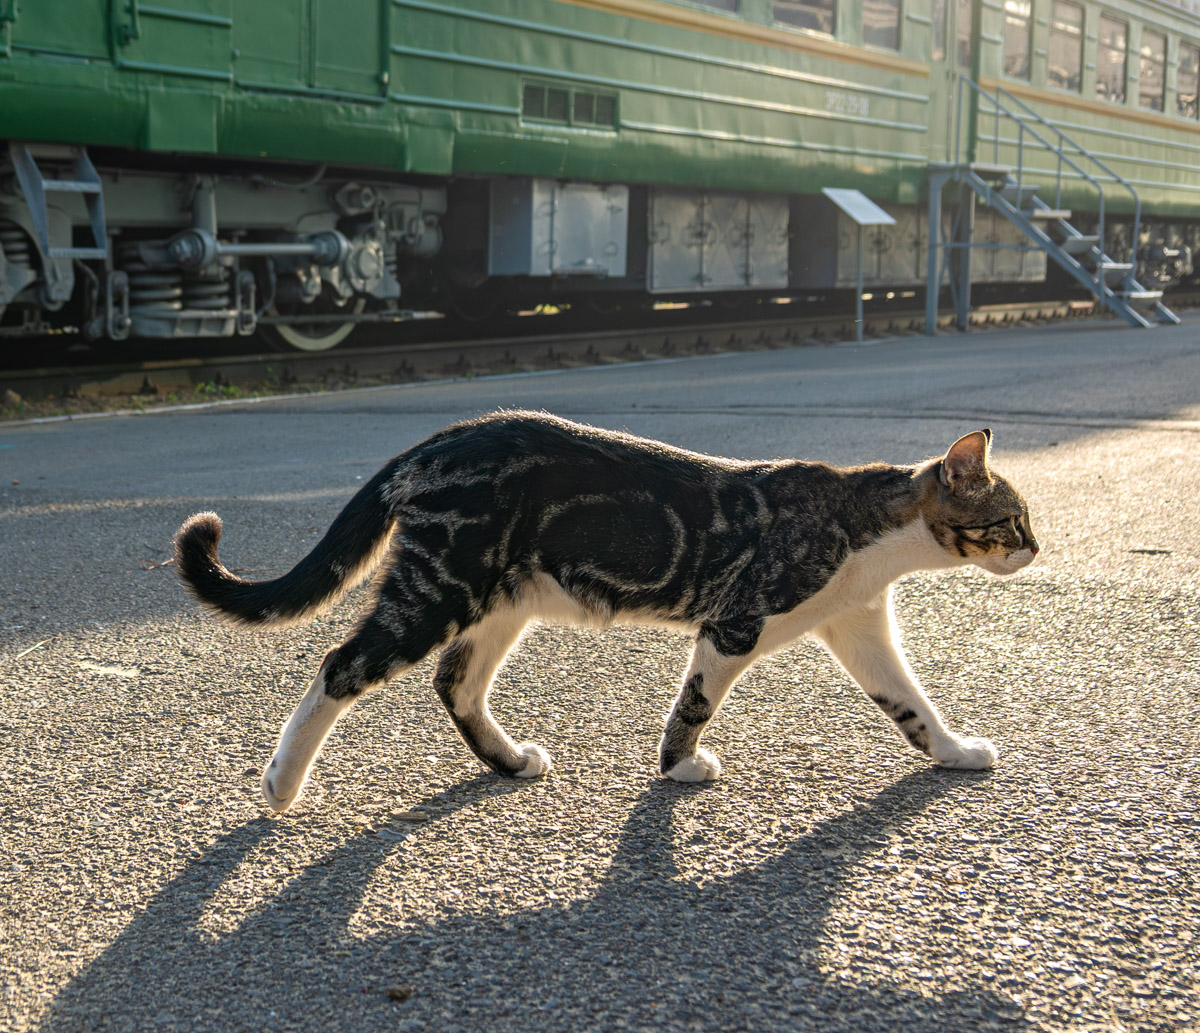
649 950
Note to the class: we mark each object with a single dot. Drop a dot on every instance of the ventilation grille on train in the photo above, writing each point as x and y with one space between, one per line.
568 106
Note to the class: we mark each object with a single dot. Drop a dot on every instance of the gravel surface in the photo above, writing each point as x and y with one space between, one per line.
830 880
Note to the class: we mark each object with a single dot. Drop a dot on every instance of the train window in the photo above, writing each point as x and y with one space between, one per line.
963 15
1187 81
817 15
1111 60
1152 70
937 14
1066 45
1018 22
881 23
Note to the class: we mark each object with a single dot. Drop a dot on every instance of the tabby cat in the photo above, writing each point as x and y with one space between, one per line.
518 517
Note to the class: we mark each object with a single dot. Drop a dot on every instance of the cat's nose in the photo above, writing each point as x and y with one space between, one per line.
1033 547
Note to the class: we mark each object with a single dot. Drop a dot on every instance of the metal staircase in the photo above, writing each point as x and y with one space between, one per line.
82 181
1013 190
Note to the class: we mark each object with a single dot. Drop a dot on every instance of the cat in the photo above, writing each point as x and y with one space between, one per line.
518 516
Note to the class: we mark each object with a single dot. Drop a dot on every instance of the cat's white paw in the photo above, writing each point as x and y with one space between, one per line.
967 754
537 760
275 795
703 767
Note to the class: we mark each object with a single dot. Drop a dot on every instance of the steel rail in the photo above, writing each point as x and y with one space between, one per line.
278 371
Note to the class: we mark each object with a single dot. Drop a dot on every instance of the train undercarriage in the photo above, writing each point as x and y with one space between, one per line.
115 246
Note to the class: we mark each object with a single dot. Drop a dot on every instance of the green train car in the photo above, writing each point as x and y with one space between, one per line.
209 167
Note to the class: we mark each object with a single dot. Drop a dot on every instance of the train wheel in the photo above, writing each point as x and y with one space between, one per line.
313 337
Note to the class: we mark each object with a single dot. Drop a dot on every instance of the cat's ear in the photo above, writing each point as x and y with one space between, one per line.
967 459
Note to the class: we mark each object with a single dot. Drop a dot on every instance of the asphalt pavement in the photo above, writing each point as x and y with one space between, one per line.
830 880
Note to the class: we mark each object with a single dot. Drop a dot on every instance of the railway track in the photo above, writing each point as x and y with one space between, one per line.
67 388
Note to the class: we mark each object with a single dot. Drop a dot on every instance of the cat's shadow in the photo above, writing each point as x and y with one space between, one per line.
747 950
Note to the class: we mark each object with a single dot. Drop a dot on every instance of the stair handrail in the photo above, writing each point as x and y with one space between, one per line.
1063 139
1060 150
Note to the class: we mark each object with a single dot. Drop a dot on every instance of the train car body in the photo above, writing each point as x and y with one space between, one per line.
202 167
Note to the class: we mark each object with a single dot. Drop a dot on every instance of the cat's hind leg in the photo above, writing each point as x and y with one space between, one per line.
864 641
371 656
709 677
463 678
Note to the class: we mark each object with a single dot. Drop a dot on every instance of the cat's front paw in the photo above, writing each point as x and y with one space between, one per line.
537 760
967 754
703 767
275 795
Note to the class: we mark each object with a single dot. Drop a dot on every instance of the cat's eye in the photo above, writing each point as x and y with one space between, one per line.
1011 521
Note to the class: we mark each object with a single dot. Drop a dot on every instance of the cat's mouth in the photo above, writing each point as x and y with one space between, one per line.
1009 563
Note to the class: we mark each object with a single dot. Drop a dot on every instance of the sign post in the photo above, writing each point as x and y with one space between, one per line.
864 212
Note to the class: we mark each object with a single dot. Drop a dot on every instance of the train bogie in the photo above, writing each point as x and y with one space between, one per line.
203 254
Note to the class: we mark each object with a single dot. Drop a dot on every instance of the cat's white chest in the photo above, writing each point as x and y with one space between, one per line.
864 576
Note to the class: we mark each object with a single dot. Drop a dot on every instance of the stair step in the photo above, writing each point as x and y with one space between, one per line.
1141 301
1080 245
1114 272
1048 214
71 186
987 170
1019 195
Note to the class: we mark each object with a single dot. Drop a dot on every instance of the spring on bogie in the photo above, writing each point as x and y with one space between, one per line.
14 242
151 288
208 289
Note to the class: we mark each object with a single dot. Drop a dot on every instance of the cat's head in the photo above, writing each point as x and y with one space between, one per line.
975 514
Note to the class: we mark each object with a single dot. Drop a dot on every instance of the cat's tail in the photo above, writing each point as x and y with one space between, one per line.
350 550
